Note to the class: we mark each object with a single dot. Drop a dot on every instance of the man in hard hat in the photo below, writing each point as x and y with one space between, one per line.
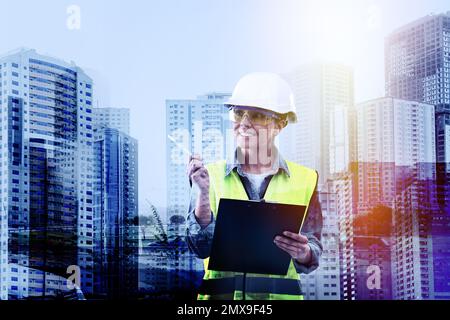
262 104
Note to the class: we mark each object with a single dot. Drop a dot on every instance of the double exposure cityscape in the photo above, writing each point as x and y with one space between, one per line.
94 194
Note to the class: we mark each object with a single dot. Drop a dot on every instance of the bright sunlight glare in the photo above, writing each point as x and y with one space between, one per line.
337 30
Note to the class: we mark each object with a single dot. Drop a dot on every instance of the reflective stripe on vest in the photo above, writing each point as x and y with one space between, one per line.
296 189
252 285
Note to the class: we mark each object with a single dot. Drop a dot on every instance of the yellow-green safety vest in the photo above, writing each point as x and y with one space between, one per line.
297 189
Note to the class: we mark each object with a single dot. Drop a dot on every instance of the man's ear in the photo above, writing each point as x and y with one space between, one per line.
282 124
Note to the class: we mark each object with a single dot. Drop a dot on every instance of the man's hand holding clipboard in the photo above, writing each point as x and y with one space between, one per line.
296 245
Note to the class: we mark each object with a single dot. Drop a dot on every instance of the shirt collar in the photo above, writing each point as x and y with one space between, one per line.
279 164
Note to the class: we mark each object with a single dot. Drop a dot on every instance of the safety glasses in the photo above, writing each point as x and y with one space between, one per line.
257 117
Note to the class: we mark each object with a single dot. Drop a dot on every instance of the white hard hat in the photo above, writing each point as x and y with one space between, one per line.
266 91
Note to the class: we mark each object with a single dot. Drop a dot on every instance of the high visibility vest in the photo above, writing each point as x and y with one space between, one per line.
296 189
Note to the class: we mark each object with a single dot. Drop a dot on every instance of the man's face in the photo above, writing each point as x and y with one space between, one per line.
255 130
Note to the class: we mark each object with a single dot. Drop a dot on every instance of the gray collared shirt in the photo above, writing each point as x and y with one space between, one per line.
199 239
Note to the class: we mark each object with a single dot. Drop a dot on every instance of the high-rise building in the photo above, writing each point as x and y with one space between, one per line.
322 139
3 253
340 188
198 126
117 118
46 188
397 171
324 100
363 248
115 197
394 137
417 63
323 283
392 133
115 214
417 268
372 252
417 66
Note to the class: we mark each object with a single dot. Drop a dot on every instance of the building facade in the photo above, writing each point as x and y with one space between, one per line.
417 66
392 134
115 214
198 126
324 98
414 243
341 187
324 282
47 159
417 63
118 118
397 170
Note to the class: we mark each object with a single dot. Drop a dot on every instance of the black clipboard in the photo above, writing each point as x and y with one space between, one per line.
244 234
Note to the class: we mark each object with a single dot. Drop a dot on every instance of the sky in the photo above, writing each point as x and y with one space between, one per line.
140 53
